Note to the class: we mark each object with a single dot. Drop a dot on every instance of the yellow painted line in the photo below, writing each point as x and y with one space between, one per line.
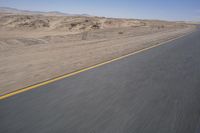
82 70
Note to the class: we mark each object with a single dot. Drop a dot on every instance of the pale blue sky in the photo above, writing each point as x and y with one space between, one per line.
144 9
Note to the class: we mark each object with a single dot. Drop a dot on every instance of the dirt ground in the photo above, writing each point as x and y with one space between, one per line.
31 56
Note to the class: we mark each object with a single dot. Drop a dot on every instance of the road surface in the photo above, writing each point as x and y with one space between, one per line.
156 91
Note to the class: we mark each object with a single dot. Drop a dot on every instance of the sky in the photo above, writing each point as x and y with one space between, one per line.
173 10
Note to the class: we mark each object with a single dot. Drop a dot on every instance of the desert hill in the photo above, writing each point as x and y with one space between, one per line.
14 19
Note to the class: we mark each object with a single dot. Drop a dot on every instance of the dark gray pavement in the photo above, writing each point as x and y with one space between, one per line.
156 91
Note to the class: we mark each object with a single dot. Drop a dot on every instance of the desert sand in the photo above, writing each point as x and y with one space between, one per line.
36 48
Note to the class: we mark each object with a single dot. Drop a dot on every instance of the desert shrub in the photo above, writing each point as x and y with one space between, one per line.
120 32
95 26
73 24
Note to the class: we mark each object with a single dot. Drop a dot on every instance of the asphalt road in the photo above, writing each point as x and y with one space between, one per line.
156 91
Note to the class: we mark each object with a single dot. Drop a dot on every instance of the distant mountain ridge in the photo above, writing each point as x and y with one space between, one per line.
26 12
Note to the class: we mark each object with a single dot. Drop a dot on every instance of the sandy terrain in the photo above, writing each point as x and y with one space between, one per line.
35 48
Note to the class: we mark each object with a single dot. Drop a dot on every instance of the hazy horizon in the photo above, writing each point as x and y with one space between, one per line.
179 10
